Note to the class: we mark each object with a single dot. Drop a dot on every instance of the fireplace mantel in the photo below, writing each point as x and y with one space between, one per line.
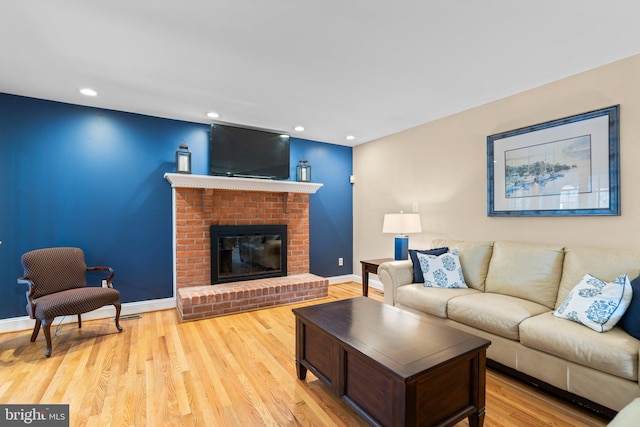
232 183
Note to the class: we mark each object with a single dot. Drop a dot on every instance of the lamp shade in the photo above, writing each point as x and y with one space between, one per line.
401 223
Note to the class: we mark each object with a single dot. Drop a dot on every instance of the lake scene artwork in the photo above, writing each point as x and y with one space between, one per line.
549 169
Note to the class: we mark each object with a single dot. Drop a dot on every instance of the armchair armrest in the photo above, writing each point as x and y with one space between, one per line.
24 281
394 274
109 276
30 291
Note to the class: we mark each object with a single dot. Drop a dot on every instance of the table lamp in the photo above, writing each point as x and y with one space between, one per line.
401 224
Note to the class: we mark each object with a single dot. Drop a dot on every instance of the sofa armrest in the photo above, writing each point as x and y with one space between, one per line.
392 275
628 416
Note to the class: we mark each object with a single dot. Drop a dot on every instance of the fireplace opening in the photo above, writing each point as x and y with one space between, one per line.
246 252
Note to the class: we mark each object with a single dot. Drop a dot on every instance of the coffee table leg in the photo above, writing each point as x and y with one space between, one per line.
480 380
301 370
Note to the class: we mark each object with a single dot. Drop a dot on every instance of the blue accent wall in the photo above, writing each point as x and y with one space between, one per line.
331 208
93 178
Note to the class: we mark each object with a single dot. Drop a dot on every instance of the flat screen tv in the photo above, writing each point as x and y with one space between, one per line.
246 152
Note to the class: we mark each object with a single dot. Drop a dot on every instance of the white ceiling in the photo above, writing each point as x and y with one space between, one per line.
364 67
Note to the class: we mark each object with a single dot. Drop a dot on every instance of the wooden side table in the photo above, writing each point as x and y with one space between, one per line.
370 266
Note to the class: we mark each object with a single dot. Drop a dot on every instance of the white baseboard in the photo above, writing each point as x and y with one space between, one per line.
373 283
21 323
334 280
24 322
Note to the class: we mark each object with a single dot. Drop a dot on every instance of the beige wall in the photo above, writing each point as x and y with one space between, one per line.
441 165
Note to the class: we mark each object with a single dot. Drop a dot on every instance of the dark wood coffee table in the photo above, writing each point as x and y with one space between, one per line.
393 367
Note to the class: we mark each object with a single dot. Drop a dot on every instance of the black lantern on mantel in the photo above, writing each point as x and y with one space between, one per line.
303 171
183 159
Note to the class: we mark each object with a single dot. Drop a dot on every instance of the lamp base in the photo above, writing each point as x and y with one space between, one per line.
401 247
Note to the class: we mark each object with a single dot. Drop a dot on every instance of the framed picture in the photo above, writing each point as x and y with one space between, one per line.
567 166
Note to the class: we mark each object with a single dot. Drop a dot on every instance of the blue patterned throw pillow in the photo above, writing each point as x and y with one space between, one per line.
417 270
443 271
596 303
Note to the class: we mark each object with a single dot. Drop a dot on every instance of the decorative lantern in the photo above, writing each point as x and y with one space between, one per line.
303 171
183 159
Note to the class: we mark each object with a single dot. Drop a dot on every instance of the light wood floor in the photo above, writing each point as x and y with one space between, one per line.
235 370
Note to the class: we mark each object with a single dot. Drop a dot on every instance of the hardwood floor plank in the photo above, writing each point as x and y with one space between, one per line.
236 370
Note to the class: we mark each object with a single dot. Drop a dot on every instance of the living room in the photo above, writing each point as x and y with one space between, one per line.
82 175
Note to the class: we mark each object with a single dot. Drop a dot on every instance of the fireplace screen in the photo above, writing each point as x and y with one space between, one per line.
245 252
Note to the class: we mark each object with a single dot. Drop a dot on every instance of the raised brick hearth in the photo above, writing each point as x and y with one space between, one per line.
202 201
199 302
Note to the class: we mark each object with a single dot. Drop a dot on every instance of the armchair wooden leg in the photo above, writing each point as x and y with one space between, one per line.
36 330
118 307
79 321
47 335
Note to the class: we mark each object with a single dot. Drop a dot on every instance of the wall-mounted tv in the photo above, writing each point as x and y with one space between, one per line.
247 152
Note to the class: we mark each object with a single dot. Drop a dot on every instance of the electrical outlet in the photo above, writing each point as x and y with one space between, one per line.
340 262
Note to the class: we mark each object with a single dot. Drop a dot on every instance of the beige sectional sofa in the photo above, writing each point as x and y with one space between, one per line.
513 290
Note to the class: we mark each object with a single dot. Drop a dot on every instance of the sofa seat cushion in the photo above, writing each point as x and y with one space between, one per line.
74 301
614 352
495 313
432 301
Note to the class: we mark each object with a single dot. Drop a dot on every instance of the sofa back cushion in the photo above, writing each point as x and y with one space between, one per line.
526 270
474 259
604 263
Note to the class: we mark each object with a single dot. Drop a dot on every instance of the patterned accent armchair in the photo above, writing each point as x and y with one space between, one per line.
58 287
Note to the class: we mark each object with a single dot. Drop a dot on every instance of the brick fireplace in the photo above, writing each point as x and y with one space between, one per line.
202 201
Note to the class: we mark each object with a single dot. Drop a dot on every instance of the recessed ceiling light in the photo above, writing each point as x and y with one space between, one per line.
298 128
88 92
213 115
349 137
